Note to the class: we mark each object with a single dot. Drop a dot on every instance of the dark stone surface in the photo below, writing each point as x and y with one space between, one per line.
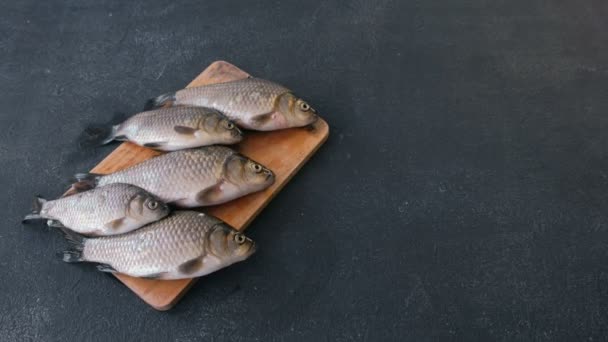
461 195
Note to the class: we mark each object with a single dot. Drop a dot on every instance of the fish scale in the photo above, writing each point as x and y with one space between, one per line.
181 172
92 212
238 99
176 128
191 178
161 247
252 103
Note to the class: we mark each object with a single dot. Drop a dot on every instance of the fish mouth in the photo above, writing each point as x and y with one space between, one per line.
313 118
236 136
269 174
252 248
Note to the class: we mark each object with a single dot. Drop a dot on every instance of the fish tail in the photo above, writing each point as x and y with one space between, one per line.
97 136
76 246
110 136
101 134
105 135
160 101
86 181
37 207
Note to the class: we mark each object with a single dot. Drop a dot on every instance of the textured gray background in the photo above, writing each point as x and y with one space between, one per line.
461 195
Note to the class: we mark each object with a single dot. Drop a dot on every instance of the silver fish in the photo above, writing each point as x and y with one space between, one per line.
176 128
191 178
186 244
107 210
252 103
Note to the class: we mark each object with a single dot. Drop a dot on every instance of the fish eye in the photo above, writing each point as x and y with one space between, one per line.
257 168
228 125
239 238
152 205
304 106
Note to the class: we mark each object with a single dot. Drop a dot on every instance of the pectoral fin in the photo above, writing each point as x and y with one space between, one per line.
116 224
55 223
106 268
210 195
155 144
262 118
191 266
185 130
154 275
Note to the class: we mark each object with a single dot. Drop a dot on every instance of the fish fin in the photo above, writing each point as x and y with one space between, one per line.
311 128
81 187
155 144
116 224
98 135
71 256
175 205
37 207
191 266
102 133
160 101
86 180
106 268
262 118
185 130
55 223
76 246
154 275
210 194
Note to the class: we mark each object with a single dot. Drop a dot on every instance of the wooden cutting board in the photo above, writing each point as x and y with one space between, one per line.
284 152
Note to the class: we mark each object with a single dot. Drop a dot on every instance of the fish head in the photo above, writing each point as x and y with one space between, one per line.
220 127
146 208
296 112
246 174
229 132
230 245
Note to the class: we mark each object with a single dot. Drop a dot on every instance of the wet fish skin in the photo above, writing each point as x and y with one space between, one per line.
106 210
176 128
191 178
252 103
186 244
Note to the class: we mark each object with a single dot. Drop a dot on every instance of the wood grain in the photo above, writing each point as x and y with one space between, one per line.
284 152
